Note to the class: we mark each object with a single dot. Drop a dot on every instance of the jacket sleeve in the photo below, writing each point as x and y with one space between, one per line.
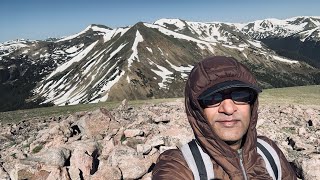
171 165
287 172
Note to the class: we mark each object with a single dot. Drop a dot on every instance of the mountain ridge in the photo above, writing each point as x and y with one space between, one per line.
145 61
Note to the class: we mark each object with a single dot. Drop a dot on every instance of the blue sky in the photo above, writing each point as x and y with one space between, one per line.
39 19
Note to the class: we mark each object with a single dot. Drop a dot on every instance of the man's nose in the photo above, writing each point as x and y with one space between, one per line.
227 106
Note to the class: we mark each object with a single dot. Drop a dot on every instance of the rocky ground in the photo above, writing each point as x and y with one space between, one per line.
124 143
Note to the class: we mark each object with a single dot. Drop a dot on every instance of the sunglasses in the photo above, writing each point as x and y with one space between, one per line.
239 97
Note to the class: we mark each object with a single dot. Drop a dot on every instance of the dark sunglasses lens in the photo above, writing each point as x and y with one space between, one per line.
241 96
238 97
213 99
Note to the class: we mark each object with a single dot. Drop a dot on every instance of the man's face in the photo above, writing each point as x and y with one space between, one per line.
229 119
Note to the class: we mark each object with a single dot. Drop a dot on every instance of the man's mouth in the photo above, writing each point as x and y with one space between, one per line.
228 123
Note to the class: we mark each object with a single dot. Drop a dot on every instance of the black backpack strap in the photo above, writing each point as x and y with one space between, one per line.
198 161
271 158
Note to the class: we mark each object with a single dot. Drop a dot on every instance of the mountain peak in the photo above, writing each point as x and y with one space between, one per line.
94 26
168 20
178 23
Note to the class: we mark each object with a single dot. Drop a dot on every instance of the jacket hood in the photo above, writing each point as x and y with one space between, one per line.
207 73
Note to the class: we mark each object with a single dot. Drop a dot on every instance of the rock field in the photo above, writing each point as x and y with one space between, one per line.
124 143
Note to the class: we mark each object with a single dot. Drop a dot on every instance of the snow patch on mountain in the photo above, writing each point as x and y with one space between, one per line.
46 55
91 27
74 49
308 33
112 33
207 32
96 28
111 81
284 60
149 49
181 36
68 97
237 25
74 36
255 43
7 47
77 58
134 55
105 64
177 22
50 89
233 47
184 70
164 73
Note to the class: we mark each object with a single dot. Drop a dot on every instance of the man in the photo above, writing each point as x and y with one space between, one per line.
221 100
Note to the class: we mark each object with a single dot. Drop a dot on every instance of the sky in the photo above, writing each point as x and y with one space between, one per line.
41 19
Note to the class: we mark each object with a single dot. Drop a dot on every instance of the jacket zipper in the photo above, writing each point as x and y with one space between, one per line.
241 164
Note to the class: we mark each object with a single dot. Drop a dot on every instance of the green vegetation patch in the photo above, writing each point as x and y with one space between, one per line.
290 130
303 95
37 149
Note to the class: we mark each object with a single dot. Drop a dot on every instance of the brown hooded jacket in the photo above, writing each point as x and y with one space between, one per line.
226 161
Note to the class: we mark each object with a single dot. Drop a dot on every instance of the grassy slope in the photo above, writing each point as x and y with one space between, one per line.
15 116
304 95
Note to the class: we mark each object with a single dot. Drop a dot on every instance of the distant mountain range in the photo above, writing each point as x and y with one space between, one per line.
152 60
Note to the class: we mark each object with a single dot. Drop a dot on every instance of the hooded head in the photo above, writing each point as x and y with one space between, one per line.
209 76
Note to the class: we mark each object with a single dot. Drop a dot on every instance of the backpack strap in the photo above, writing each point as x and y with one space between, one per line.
198 161
271 159
201 166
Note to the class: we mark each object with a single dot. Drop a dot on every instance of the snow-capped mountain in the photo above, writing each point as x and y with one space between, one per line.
142 61
296 38
305 28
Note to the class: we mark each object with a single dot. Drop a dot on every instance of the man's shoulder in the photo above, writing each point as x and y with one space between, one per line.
171 154
271 142
267 140
171 165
